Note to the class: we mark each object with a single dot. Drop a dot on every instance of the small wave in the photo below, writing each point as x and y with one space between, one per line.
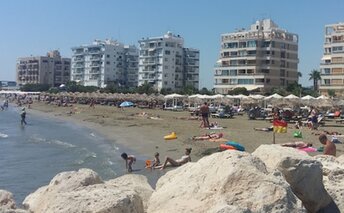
79 162
61 143
92 134
2 135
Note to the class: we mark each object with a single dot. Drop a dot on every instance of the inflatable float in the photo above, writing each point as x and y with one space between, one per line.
226 147
171 136
236 145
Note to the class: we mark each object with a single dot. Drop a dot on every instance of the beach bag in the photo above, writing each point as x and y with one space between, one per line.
297 134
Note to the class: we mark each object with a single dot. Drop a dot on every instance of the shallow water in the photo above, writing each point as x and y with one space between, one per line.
32 155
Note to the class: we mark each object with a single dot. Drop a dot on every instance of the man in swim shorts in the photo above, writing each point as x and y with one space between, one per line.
204 110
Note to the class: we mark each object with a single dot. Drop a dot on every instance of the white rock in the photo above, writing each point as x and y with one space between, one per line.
272 154
83 191
229 181
7 200
138 183
333 177
305 179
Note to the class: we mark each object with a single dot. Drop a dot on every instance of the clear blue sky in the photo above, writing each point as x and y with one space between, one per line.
37 26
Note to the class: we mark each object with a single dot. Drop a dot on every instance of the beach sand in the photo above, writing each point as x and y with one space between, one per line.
130 128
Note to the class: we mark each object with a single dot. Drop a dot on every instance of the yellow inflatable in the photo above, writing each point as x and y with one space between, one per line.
171 136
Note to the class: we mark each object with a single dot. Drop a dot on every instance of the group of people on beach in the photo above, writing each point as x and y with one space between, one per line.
155 163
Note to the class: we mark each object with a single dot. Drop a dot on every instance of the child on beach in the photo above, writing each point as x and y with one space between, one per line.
129 160
155 162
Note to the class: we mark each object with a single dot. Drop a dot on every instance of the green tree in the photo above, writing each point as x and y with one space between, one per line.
188 90
146 88
205 91
331 93
35 87
294 88
315 76
238 91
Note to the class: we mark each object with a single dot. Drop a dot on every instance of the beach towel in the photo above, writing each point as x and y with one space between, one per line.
308 149
215 127
237 146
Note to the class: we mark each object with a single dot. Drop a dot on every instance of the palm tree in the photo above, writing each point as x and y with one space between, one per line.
315 76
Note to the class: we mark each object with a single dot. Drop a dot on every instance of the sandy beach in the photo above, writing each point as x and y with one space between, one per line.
142 130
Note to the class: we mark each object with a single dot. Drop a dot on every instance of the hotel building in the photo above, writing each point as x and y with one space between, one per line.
332 62
104 62
262 57
51 69
166 64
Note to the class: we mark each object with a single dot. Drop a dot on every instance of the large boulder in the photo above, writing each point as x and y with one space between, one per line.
83 191
272 154
138 183
8 204
333 177
6 200
229 181
306 180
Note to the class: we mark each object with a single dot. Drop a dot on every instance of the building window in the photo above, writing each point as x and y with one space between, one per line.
251 43
108 56
108 62
327 82
326 71
245 81
167 52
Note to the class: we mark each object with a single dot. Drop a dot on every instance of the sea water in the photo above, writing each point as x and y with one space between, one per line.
31 155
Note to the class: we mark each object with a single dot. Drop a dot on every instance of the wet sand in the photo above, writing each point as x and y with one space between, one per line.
130 128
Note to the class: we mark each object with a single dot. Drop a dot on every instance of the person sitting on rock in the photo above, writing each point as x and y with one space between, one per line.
329 147
297 144
129 160
183 160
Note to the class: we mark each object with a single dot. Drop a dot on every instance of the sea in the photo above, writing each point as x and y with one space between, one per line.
31 155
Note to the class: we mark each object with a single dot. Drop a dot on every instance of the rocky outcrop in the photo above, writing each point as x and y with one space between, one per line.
305 179
138 183
84 191
7 203
229 181
272 154
333 177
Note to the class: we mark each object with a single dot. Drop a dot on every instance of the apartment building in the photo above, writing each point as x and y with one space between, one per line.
166 64
105 62
262 57
332 62
51 69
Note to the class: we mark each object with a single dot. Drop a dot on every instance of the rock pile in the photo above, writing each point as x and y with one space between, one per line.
271 179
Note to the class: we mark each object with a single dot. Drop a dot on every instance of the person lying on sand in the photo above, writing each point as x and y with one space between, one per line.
327 133
183 160
265 129
297 144
208 136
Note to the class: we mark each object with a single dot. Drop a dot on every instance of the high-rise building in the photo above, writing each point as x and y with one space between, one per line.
332 62
262 57
105 62
166 64
51 69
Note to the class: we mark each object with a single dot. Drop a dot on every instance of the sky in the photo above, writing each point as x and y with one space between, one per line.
34 27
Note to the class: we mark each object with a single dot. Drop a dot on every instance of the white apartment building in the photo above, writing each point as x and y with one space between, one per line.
51 69
104 62
166 64
264 56
332 62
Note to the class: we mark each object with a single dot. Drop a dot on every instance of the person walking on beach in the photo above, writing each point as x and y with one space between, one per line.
129 160
204 110
329 147
23 116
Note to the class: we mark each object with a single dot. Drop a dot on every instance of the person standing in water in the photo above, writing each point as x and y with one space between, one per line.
23 116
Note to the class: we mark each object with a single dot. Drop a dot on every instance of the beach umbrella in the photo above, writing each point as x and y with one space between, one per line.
217 96
241 96
230 96
174 95
126 104
274 96
257 97
339 103
322 97
307 97
291 96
